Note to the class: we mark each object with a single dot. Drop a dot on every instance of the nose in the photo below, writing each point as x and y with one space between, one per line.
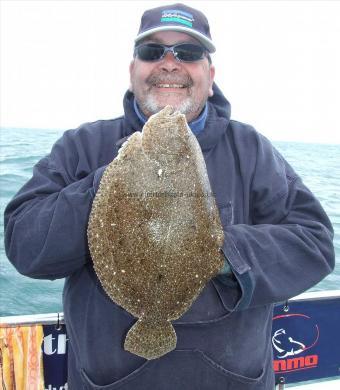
169 63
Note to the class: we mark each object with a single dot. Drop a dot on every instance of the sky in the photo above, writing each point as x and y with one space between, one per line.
64 63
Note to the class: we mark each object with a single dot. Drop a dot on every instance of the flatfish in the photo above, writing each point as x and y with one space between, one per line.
154 231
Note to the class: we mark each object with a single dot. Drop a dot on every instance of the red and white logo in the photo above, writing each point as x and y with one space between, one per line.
294 335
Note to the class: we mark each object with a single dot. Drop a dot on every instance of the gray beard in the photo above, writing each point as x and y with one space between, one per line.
149 104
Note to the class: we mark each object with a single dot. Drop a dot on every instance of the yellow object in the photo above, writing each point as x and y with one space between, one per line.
21 364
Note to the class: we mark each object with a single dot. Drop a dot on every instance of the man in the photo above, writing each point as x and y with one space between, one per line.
278 239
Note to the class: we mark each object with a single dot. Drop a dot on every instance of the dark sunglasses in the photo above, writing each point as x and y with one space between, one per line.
183 52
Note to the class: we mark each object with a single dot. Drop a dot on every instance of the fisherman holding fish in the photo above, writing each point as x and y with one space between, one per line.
169 292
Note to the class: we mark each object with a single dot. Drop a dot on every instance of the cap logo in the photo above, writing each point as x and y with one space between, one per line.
182 17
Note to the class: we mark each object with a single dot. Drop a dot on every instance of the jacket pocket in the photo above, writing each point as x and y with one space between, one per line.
128 382
181 369
235 381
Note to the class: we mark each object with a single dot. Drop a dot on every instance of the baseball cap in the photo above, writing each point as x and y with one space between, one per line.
176 17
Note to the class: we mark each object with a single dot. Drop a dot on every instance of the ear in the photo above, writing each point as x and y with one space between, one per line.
212 76
131 68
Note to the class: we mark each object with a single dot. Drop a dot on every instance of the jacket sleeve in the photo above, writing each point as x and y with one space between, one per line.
287 248
46 222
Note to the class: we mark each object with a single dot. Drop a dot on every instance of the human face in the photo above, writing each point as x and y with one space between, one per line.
156 84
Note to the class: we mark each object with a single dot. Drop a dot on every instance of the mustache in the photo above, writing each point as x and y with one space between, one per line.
166 78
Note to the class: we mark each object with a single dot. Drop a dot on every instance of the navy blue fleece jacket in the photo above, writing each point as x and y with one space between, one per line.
278 242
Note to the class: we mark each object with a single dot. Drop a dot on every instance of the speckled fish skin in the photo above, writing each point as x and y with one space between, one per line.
154 230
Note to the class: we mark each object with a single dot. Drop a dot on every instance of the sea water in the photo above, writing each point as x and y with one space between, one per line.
318 165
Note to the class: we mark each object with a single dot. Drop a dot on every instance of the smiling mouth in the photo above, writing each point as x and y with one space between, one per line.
178 86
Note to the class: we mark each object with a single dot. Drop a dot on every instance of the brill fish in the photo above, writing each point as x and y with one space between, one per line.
154 230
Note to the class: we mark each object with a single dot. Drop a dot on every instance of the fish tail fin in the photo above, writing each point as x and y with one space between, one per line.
151 339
